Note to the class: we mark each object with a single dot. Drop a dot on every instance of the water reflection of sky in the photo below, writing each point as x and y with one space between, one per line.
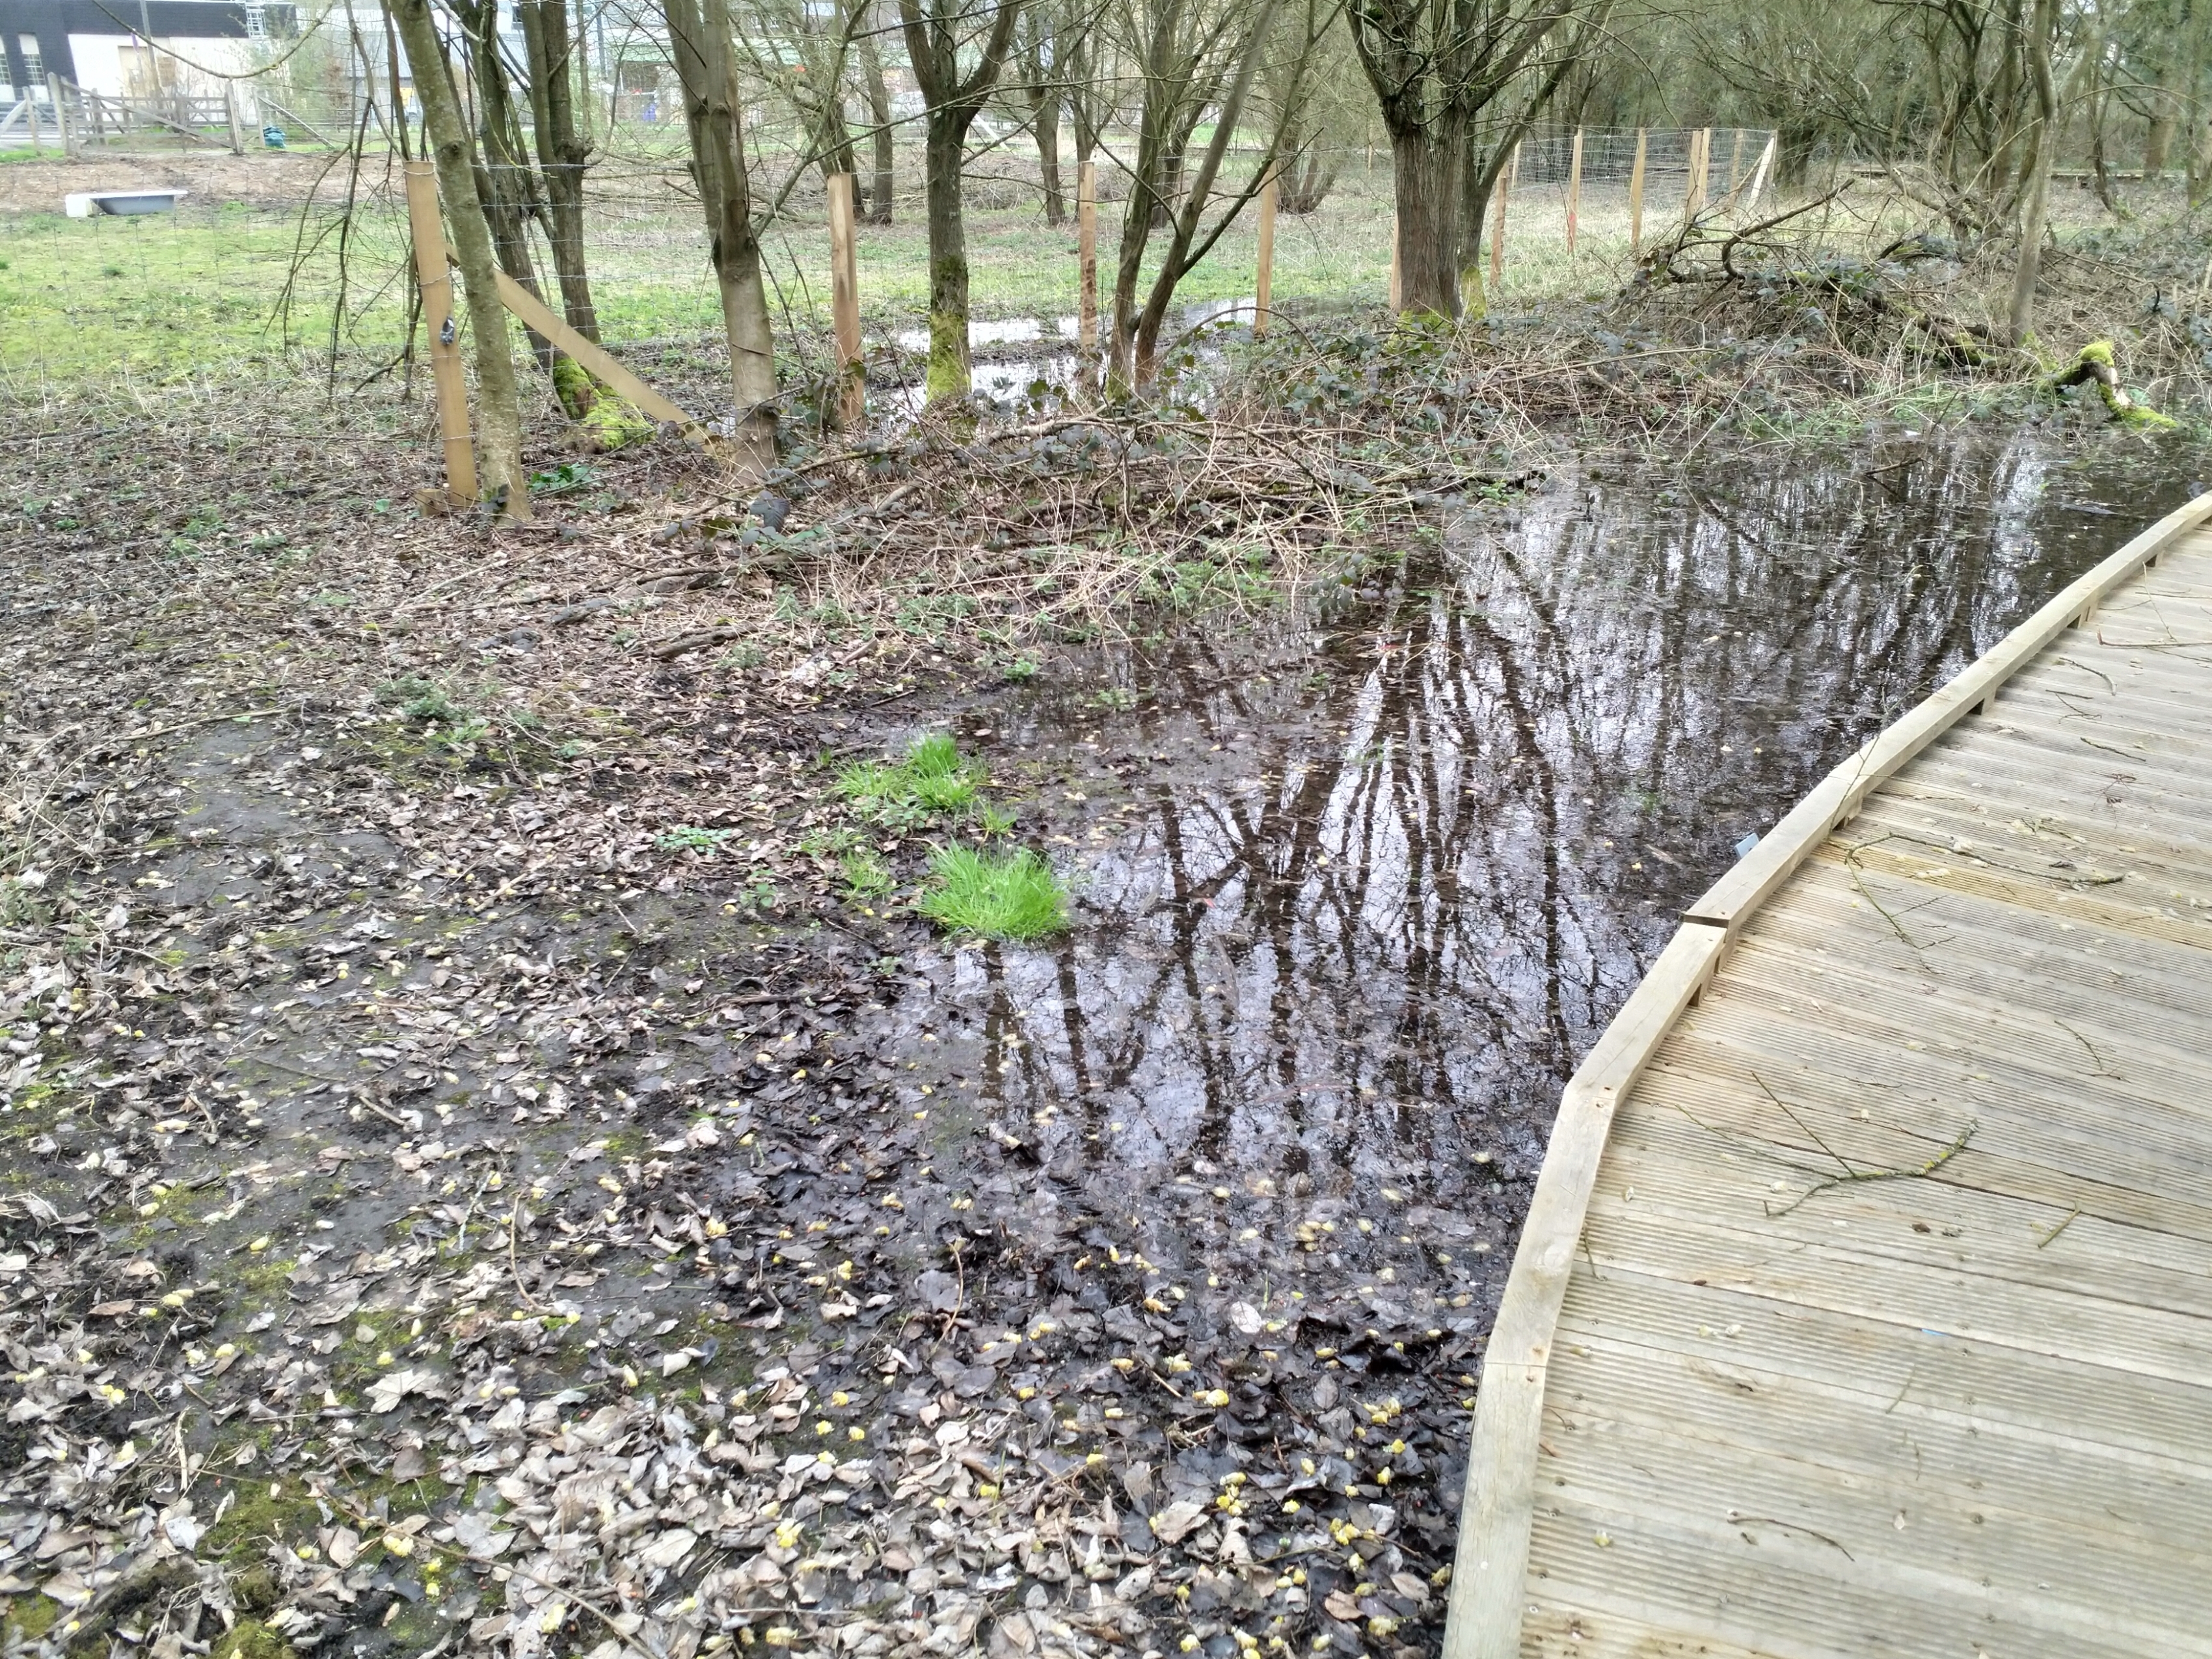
1355 895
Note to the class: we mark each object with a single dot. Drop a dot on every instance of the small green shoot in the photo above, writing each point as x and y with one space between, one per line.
1016 897
689 838
866 876
933 778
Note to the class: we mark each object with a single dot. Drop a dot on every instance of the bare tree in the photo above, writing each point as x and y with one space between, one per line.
1437 67
562 151
506 182
936 44
706 61
879 126
1193 65
499 414
1045 30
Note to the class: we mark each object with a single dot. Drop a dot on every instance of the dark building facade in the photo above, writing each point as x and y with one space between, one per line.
45 25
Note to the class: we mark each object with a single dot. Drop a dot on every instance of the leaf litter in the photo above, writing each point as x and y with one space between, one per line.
461 1196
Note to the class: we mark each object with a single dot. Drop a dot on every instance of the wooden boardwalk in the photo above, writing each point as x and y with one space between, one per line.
1865 1303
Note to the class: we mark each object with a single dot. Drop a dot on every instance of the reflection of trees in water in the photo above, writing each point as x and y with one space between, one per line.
1377 939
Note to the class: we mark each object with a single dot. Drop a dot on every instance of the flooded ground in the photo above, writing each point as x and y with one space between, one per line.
566 1185
1357 894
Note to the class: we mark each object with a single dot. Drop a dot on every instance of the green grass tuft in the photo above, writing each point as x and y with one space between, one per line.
1016 897
932 779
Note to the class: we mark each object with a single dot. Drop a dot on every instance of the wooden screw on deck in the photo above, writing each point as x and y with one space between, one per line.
1086 243
1264 282
1574 187
845 302
1636 197
436 277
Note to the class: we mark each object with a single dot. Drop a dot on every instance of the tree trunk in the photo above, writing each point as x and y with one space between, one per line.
706 61
499 416
1044 105
2044 140
561 154
879 117
506 183
946 147
951 100
1428 223
1177 259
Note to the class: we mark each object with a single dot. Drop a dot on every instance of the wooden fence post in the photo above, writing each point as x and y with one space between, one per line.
1700 150
435 277
61 113
31 114
230 109
1505 175
1636 197
845 303
1760 173
1574 187
1736 163
1264 282
1086 243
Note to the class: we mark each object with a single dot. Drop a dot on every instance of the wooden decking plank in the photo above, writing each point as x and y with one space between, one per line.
1940 1488
1964 1453
1989 1373
2149 1424
1780 1591
2103 1259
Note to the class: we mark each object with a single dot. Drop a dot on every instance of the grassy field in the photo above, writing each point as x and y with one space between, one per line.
216 288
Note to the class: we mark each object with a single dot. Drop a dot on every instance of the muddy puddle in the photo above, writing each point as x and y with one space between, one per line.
1356 892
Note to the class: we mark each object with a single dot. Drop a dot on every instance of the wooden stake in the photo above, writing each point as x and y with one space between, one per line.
845 302
602 365
1700 148
1759 173
1736 162
1636 197
1265 281
436 277
61 114
1505 175
1574 187
230 109
1086 242
31 113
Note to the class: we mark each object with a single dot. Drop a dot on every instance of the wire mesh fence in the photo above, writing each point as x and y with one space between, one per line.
327 275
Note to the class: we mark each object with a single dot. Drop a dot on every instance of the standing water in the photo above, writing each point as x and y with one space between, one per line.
1355 894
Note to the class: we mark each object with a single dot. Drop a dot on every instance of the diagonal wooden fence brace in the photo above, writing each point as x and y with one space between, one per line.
601 363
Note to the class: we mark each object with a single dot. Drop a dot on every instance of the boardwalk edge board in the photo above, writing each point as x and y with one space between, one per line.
1490 1571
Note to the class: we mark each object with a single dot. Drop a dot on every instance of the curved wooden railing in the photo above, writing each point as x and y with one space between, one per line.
1489 1587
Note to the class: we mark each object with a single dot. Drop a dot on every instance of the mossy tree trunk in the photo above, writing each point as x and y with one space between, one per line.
500 471
950 102
706 63
506 183
562 153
